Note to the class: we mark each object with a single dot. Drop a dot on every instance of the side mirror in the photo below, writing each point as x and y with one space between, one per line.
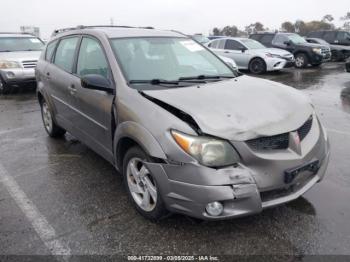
287 43
243 49
96 82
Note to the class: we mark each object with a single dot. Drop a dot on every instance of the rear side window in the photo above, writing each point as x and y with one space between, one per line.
49 50
214 44
233 45
329 36
266 39
65 52
316 34
92 59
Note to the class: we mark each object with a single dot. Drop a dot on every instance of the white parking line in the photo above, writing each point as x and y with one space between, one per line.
42 227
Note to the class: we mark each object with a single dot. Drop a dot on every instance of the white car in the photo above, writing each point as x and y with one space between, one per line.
230 62
252 55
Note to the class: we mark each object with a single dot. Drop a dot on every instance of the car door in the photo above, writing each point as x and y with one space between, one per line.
93 108
280 41
238 52
59 77
343 38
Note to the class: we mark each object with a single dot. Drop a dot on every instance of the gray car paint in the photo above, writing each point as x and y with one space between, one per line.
236 110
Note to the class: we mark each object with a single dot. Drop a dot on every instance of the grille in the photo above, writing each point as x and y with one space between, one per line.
305 128
270 142
279 141
29 64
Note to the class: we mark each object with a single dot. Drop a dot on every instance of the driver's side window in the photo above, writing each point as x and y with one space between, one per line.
91 59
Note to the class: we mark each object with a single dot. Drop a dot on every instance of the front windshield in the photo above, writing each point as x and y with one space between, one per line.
166 58
296 39
14 44
252 44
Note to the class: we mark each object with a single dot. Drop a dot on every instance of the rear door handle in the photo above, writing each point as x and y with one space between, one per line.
72 90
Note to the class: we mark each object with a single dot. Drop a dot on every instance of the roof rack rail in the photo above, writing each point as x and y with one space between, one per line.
58 31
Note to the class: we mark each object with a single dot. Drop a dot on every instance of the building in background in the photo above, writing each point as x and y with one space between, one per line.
31 30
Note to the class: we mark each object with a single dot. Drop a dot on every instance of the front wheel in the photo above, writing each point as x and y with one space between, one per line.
257 66
301 60
141 186
50 126
4 89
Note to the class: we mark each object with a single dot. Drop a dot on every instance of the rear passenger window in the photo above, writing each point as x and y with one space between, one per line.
214 44
65 52
49 50
233 45
266 39
329 36
92 59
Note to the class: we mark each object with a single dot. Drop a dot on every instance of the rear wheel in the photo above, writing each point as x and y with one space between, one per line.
257 66
51 127
301 60
141 186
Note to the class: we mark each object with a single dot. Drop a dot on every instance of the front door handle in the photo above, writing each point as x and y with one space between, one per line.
48 77
72 90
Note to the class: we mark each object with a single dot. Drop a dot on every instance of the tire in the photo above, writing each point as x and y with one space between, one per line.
301 60
52 129
4 89
141 187
257 66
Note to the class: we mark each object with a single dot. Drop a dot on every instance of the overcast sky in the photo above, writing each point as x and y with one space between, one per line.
189 16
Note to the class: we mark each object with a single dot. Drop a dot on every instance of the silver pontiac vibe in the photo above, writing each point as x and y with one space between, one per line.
188 133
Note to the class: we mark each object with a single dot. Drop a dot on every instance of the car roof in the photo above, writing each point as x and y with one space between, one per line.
233 38
119 32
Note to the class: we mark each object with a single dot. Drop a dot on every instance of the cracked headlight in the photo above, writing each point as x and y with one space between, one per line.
4 64
208 151
317 50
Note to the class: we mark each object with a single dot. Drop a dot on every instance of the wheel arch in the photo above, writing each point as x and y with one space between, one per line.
129 134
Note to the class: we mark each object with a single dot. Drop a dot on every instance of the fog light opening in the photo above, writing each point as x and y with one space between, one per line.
10 74
214 209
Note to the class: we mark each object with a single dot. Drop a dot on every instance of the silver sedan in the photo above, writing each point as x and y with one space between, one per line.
252 55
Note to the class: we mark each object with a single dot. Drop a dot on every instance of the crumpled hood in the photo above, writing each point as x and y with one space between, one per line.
20 56
241 108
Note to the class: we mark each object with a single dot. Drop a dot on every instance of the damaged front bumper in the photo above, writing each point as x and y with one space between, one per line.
257 183
235 188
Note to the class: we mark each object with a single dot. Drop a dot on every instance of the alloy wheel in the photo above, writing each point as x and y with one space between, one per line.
47 118
299 61
142 186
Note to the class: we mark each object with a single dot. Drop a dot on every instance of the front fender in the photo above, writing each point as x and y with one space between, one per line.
140 135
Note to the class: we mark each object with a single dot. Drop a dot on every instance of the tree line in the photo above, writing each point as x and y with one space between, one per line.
299 26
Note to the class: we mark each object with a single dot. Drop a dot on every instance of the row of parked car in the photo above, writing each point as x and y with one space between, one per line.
267 51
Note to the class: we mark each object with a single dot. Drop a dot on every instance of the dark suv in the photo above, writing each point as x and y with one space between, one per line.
335 37
339 42
305 53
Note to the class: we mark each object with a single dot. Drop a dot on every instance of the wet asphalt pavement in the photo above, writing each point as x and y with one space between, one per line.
81 197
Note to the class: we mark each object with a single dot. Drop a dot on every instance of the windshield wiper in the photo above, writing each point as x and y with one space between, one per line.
154 82
204 77
166 82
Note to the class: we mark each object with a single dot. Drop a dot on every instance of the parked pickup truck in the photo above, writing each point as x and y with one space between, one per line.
305 53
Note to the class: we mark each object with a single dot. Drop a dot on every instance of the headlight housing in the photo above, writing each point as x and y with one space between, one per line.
207 150
273 55
4 64
317 50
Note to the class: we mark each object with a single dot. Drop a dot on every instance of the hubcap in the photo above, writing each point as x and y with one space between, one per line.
141 185
47 117
299 61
